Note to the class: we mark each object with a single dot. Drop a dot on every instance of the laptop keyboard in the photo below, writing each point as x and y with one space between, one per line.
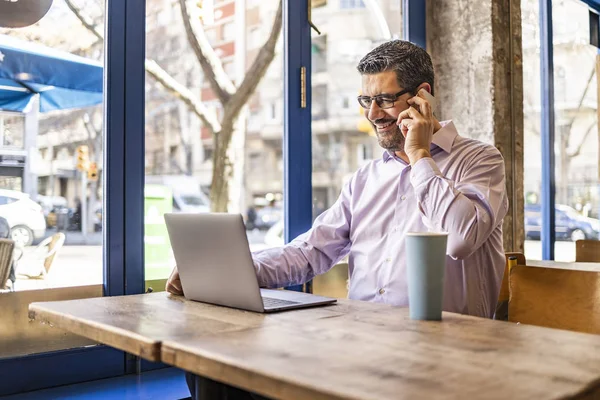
270 302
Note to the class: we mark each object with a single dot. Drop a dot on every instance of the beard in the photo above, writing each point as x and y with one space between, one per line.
392 139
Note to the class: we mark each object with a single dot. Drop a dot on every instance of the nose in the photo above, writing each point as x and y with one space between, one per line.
374 111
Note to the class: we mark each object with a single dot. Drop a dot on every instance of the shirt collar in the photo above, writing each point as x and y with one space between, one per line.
444 139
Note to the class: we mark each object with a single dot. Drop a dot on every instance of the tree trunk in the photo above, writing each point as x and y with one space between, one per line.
219 187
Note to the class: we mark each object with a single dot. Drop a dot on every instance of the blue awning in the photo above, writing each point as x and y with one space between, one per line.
62 80
593 4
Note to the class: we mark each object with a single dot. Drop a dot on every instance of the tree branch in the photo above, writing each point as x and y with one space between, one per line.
161 76
177 89
208 59
256 71
578 150
90 25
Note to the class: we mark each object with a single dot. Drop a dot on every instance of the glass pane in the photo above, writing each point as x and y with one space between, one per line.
51 154
576 128
185 112
342 139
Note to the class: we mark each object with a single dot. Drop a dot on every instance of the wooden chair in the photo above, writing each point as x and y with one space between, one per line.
556 295
6 258
504 296
587 251
38 264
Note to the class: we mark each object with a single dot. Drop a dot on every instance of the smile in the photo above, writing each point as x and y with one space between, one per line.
384 127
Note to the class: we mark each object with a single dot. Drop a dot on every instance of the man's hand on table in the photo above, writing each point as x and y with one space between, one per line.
174 283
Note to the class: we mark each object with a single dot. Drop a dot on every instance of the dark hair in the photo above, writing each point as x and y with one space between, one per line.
411 63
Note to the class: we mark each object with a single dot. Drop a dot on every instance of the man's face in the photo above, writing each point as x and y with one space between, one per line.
384 119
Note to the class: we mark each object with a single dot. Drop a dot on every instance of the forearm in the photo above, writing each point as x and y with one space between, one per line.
468 211
294 264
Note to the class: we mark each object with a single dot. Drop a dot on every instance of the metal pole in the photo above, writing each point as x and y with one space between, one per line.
83 216
547 130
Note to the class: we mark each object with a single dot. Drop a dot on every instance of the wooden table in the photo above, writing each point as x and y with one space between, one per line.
572 266
352 350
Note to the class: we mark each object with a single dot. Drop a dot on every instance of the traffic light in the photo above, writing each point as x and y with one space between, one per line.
93 172
83 158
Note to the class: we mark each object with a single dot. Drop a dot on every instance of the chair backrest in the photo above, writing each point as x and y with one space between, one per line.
54 245
504 292
504 295
6 256
587 251
555 296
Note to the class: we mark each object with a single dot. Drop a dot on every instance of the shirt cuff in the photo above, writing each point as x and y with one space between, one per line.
423 171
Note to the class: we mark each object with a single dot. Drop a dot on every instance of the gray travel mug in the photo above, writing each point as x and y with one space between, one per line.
425 264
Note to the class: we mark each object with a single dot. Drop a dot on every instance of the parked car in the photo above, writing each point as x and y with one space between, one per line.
570 225
25 216
268 216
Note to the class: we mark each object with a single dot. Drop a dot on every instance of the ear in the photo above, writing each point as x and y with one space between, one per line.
425 86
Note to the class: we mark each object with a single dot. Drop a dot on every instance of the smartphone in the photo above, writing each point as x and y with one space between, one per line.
430 99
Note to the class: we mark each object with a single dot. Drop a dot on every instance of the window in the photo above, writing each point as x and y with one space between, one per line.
319 102
35 218
576 138
228 31
352 4
254 38
339 146
346 102
272 111
211 35
188 142
319 53
229 68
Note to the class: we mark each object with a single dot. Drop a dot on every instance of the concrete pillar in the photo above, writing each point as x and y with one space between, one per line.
476 50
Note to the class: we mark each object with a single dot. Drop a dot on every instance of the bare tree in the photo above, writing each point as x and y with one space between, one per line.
565 136
231 98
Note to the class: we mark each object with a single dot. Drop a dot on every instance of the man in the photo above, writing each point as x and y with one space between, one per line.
429 178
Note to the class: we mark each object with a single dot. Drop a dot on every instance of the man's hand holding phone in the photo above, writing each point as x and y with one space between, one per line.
417 124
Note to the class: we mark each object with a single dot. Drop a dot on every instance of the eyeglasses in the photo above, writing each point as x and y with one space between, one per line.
383 100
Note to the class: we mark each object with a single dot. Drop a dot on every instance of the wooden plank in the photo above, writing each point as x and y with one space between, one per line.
358 350
587 251
136 324
561 298
573 266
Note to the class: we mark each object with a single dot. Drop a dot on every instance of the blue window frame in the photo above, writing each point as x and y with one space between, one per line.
123 236
548 235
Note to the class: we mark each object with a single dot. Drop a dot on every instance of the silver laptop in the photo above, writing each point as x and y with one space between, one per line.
215 265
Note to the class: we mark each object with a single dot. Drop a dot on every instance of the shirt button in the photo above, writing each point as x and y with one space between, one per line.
388 260
381 291
403 197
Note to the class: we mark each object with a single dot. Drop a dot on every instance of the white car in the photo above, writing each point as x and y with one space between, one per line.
25 216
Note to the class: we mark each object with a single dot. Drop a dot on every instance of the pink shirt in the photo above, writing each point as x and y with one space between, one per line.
460 190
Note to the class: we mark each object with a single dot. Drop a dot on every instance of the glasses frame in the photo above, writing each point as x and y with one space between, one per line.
380 98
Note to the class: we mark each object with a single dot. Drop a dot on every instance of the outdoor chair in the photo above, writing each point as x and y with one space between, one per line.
37 265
